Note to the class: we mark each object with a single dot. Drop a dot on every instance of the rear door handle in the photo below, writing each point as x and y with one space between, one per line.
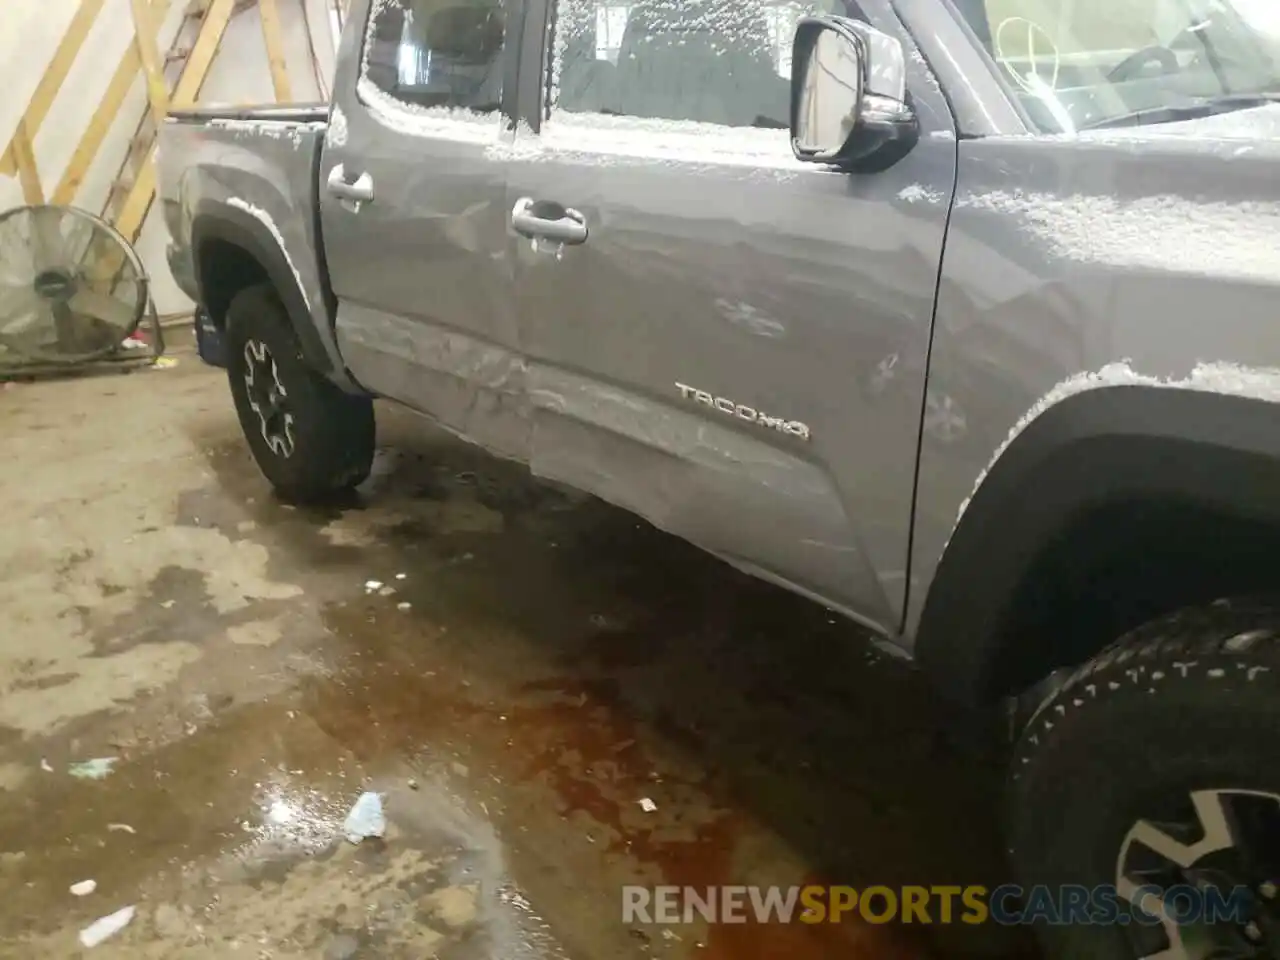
545 220
359 190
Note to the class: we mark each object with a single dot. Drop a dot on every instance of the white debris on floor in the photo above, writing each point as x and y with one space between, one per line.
94 769
365 819
105 927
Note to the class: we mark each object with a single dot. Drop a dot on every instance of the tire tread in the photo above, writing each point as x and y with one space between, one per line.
1191 632
335 448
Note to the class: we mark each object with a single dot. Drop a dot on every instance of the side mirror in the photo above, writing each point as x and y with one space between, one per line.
849 95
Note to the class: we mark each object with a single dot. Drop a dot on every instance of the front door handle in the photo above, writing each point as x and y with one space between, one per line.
359 190
545 220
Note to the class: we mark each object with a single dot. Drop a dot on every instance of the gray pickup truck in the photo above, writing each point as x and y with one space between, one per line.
960 317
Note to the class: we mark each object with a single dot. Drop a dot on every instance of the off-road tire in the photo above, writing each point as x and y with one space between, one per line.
332 437
1186 703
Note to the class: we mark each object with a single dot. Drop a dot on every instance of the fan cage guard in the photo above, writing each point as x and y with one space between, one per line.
54 283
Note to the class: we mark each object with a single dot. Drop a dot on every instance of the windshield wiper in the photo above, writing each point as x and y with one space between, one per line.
1209 107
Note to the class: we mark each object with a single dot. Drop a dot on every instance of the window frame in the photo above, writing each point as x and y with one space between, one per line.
983 103
504 118
542 111
956 79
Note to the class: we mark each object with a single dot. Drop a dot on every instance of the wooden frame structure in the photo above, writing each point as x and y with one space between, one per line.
133 191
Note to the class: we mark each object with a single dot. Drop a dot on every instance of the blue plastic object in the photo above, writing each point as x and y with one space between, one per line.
210 343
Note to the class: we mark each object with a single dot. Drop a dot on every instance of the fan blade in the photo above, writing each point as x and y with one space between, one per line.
46 238
33 318
17 258
78 240
101 306
20 307
64 236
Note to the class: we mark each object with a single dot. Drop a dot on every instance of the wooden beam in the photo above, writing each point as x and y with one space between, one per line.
133 214
144 39
25 160
138 202
144 141
51 81
144 138
274 37
202 53
103 119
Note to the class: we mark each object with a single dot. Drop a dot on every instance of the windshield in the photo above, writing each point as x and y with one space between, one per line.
1082 63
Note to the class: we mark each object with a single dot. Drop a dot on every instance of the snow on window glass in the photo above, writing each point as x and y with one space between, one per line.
723 62
440 56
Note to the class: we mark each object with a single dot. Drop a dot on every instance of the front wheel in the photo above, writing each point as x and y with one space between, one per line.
1151 780
310 439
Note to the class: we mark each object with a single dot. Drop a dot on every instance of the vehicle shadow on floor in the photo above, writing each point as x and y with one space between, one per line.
615 663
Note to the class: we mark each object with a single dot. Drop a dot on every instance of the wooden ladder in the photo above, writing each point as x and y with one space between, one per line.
173 81
133 191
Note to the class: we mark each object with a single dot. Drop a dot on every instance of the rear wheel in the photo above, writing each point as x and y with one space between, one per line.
310 439
1151 779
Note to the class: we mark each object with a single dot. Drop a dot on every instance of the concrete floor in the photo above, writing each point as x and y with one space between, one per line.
543 664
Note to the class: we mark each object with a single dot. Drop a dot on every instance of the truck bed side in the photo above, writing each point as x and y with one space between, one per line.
240 199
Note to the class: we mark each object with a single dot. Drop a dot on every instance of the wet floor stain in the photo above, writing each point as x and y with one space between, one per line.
555 700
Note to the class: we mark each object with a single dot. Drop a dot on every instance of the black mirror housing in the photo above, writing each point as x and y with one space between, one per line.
849 105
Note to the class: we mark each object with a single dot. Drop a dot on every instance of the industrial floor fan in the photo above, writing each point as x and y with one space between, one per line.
73 293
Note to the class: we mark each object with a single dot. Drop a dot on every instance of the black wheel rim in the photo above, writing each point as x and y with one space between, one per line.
1219 847
268 398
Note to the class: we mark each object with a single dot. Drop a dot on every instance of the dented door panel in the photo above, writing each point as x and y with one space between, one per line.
737 351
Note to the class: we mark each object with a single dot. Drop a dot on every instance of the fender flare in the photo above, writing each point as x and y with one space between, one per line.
218 222
1105 445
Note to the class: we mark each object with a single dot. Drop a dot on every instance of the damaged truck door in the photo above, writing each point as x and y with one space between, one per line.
411 205
715 351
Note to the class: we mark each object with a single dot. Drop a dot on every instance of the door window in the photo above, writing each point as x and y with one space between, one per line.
435 54
724 62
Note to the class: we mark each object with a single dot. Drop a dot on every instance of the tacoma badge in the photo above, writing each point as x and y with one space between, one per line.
793 428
